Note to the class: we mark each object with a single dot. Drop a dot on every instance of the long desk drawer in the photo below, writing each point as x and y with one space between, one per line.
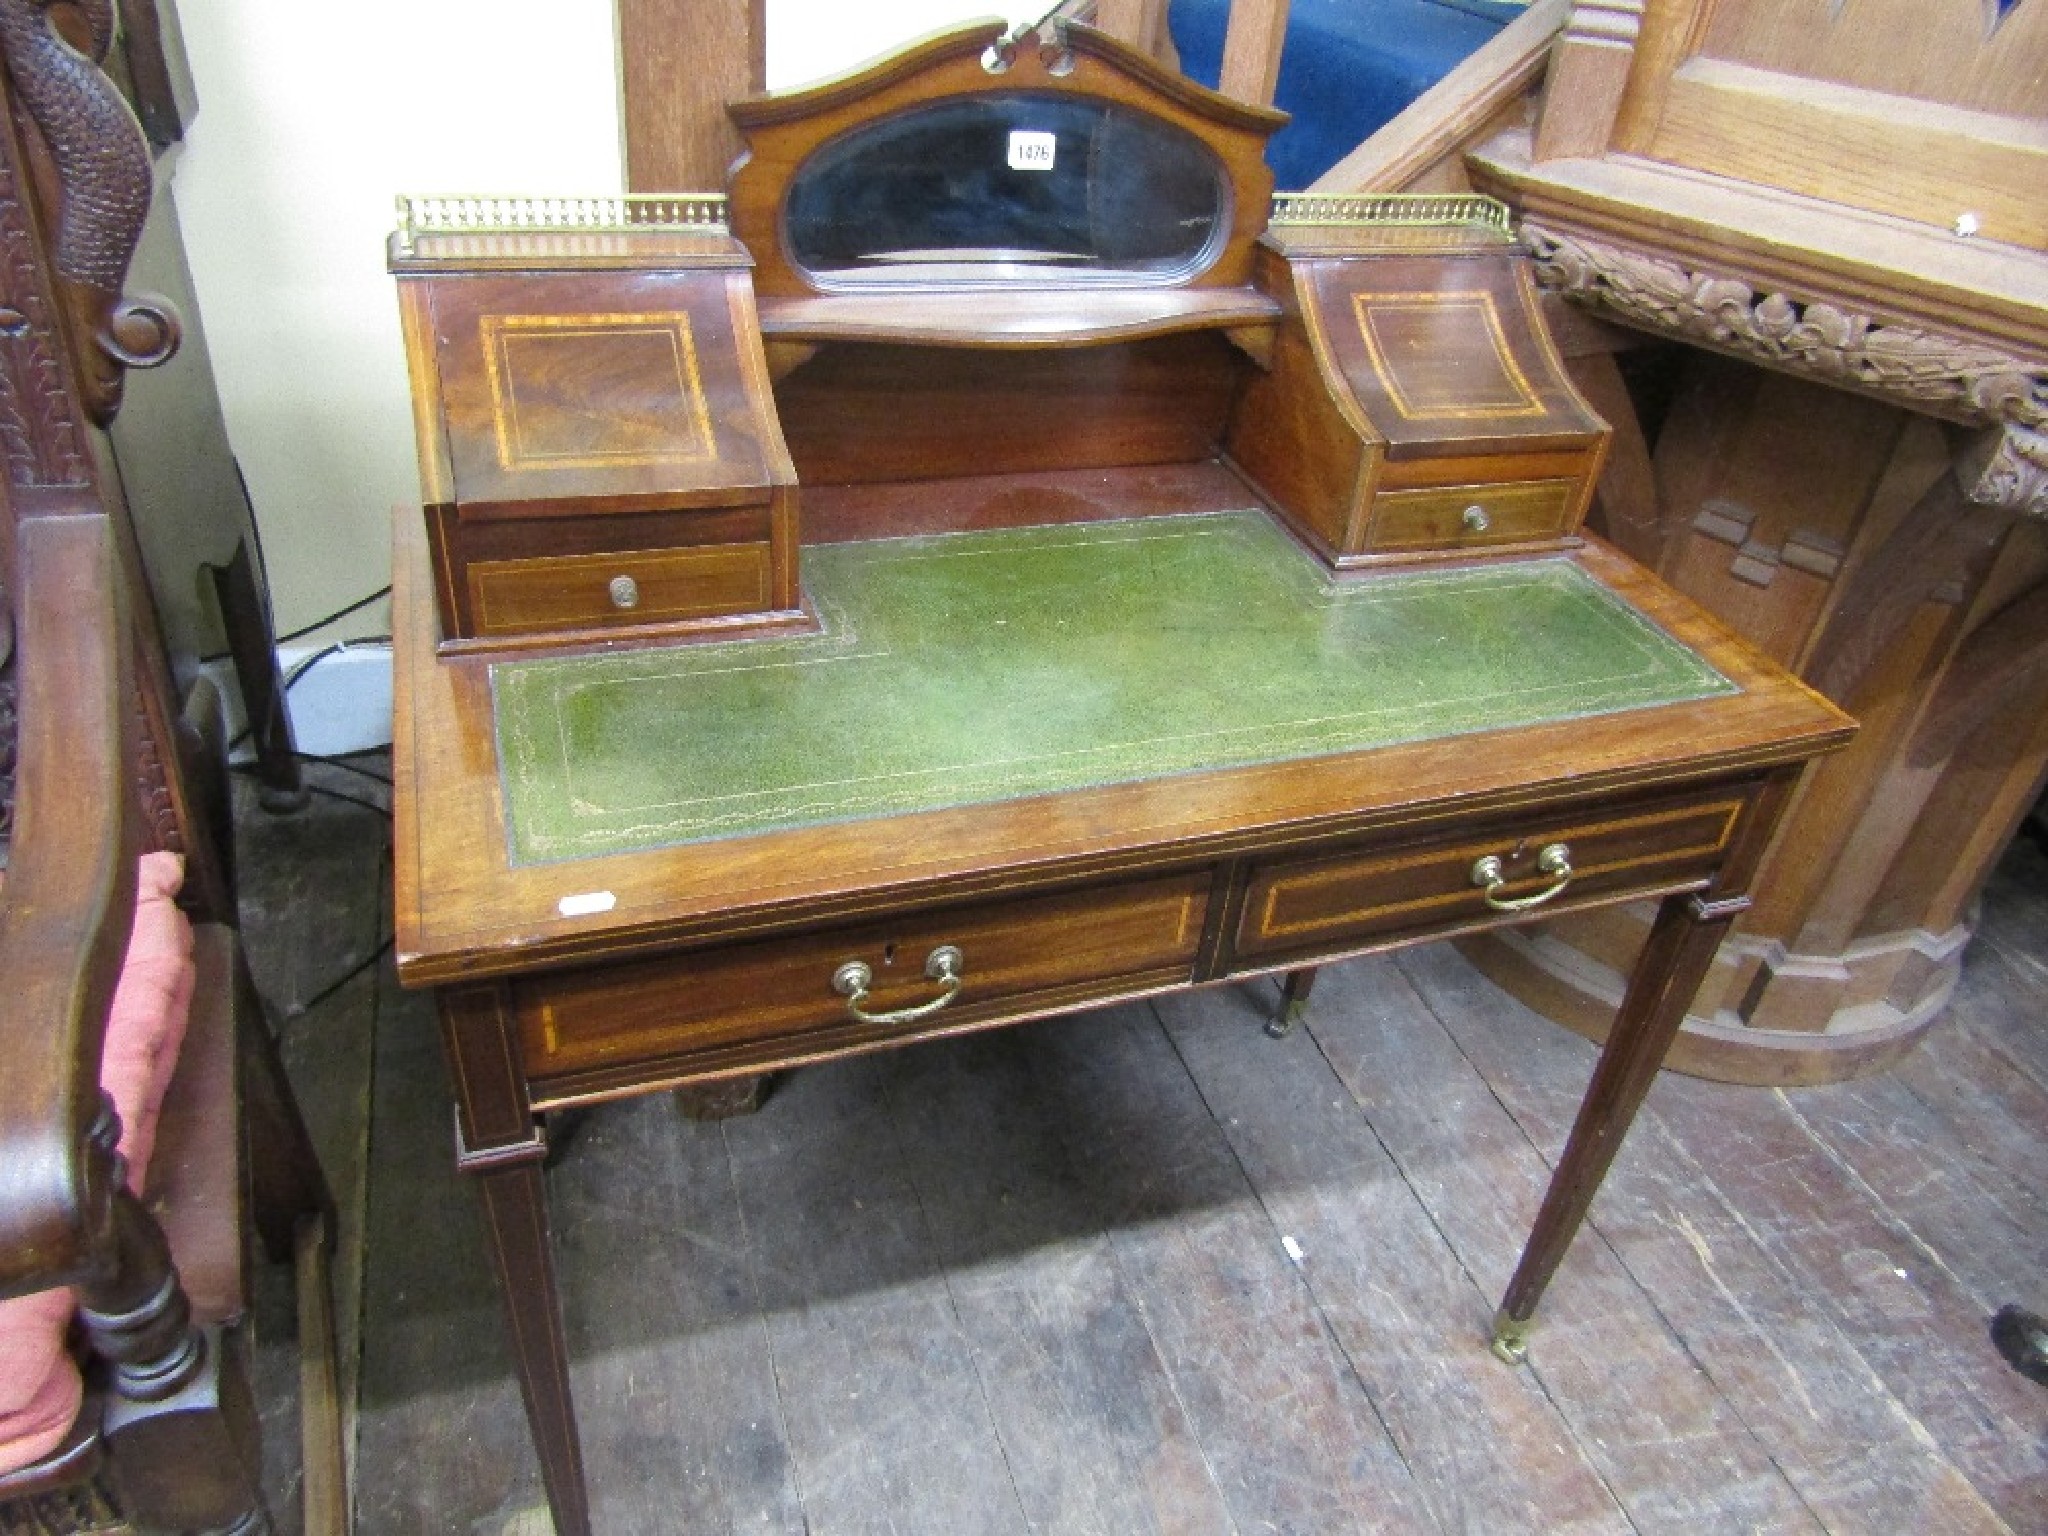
1015 956
1300 905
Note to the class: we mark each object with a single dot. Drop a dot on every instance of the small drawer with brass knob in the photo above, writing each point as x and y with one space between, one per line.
1470 516
584 591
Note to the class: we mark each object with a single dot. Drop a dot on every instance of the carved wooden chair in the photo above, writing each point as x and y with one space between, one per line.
143 1411
145 1122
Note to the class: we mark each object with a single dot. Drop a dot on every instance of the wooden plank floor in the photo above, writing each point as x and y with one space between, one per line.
1146 1270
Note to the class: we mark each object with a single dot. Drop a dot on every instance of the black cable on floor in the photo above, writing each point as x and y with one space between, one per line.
254 770
347 767
335 794
334 986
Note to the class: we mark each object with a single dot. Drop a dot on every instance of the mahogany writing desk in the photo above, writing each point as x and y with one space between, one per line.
1015 565
626 872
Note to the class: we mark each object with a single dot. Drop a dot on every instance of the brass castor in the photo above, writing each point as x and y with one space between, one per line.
1511 1339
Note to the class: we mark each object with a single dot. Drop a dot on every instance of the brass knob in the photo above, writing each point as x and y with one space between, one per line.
625 592
1476 520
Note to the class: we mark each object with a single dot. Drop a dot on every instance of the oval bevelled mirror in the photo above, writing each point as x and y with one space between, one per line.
1024 188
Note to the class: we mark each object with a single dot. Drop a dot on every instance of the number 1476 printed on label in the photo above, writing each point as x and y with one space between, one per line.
1031 150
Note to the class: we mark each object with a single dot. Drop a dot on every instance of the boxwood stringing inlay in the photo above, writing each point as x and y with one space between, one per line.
975 667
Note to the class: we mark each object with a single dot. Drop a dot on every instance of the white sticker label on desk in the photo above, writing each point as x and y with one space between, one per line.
1031 150
589 904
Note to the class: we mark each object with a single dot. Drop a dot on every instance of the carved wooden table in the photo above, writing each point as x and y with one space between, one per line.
1029 770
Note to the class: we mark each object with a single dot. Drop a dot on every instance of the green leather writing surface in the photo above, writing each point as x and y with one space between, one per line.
974 667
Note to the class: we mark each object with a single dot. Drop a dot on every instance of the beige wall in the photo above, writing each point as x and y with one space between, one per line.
809 39
311 119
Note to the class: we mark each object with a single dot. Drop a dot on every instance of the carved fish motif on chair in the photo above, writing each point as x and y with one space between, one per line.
102 169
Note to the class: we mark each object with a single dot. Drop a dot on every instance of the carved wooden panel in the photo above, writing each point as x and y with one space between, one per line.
40 434
1869 220
101 166
1943 374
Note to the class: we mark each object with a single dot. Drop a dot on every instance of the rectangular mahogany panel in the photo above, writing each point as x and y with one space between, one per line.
1061 949
1304 904
599 391
577 591
858 413
1445 354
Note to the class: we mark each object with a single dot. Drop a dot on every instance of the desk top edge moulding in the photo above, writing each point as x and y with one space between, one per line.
999 560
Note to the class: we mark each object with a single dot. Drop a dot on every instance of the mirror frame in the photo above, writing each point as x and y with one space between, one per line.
851 176
784 129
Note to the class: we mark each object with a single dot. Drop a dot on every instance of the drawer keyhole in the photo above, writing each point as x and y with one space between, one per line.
625 592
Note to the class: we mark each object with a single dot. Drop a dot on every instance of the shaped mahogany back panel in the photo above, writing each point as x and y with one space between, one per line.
1071 63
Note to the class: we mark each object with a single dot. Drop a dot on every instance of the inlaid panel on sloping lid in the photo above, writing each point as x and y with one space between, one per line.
1443 355
595 392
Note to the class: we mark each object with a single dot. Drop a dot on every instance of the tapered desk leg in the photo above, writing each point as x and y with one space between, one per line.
515 1209
1674 962
500 1145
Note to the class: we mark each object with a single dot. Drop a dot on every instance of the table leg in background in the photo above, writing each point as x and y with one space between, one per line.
1293 1008
724 1098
